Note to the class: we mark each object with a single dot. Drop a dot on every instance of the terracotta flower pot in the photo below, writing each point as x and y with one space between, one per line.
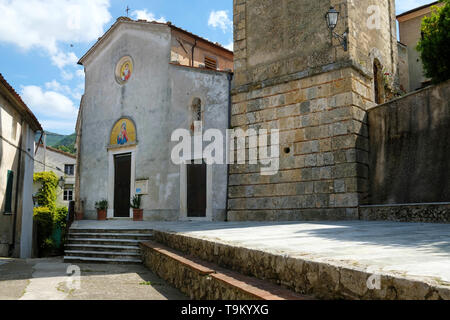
138 214
79 215
101 215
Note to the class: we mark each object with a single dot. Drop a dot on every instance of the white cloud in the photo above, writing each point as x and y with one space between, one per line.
145 15
75 93
220 19
49 103
44 24
80 73
62 59
230 46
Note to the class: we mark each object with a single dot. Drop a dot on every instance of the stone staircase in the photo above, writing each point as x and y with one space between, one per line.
117 246
203 280
197 278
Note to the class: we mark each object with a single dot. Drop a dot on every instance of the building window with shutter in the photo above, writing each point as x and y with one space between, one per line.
210 63
9 192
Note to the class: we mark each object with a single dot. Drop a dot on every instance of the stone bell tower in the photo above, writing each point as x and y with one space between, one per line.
291 74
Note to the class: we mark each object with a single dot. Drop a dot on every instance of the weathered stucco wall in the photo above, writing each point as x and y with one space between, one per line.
410 148
10 133
158 99
11 130
403 67
55 162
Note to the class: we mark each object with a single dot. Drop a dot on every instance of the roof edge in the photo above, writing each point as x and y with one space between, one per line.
168 24
59 151
417 9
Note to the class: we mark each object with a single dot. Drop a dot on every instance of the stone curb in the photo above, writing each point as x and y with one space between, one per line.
305 276
204 281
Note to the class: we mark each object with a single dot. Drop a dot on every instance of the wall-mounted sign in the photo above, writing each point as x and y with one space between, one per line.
123 133
142 187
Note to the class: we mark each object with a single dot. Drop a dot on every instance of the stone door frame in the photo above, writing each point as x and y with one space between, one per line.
111 177
184 192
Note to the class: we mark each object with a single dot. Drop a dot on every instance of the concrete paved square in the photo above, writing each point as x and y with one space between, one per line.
47 279
412 250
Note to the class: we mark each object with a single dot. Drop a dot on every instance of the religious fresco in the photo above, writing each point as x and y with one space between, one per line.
124 132
124 70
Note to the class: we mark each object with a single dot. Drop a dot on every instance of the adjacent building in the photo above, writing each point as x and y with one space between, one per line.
63 165
144 81
18 127
411 67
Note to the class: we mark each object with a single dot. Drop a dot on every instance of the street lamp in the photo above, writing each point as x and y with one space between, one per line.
61 182
332 18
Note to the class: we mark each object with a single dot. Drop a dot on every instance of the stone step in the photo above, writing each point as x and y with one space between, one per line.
75 259
132 236
114 242
93 247
133 231
206 281
103 254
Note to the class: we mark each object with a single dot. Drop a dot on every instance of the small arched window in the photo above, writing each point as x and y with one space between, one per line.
196 112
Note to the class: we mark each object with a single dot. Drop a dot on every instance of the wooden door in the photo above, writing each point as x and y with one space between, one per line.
196 190
122 182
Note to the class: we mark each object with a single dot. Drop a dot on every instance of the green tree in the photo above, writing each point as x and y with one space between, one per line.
434 46
46 196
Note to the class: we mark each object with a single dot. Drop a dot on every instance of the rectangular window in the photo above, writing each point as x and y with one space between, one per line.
69 169
9 192
68 194
210 63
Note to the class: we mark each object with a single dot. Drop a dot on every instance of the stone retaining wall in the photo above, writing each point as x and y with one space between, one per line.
202 281
410 148
427 213
322 280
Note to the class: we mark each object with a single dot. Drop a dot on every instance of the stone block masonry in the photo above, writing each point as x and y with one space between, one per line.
324 149
292 75
206 281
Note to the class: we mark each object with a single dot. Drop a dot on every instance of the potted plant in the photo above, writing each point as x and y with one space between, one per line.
138 213
101 207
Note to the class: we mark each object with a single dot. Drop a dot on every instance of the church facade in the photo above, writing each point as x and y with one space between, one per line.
145 80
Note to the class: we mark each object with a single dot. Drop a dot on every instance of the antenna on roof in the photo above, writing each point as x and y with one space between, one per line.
128 11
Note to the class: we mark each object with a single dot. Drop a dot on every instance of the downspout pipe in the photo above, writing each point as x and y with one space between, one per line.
230 79
193 50
18 182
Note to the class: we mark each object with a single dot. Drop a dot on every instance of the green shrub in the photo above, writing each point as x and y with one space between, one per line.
46 196
101 205
60 217
434 47
44 220
48 244
136 202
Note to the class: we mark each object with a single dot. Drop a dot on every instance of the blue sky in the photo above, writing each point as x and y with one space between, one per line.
41 41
